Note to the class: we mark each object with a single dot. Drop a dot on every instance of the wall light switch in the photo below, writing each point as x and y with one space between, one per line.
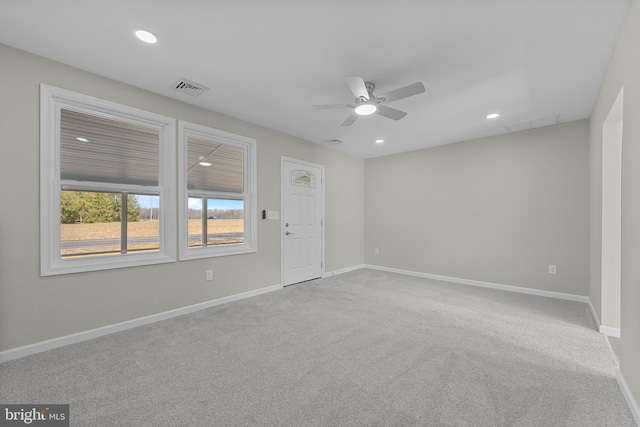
552 269
273 214
209 275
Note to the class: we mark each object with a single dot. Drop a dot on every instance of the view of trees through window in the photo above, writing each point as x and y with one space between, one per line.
88 208
92 223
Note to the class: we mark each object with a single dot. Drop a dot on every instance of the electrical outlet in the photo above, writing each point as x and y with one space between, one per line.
377 251
552 269
209 275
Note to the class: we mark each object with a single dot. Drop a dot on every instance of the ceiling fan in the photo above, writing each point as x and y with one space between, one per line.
367 103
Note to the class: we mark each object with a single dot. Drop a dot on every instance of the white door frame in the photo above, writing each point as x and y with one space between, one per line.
282 208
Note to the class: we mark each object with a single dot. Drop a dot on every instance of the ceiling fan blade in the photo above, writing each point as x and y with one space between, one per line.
403 92
357 86
328 106
390 113
352 118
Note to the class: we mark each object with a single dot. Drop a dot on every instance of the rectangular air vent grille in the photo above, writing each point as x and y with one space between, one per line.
333 141
189 87
532 124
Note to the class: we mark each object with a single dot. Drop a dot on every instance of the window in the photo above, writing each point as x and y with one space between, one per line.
217 173
106 193
303 178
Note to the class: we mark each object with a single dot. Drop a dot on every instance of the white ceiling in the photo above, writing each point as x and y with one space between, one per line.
267 61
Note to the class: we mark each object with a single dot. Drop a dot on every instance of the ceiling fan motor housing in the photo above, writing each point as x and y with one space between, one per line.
373 100
370 88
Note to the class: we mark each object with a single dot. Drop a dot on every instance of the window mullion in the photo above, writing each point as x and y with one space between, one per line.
205 225
124 209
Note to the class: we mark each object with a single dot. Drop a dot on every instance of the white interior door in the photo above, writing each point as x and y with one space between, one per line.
302 221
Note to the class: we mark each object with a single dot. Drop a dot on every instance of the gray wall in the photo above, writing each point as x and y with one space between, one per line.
623 71
497 209
33 309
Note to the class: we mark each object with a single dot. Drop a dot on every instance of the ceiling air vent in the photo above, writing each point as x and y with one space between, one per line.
537 123
333 141
189 87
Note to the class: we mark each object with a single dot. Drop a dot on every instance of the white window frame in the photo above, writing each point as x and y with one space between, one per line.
187 129
52 101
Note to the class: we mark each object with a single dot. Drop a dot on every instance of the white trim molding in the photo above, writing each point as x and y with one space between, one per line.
344 270
217 138
471 282
628 396
609 331
594 315
53 101
16 353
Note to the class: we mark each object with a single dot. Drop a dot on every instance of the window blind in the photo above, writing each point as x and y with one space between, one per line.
226 173
115 152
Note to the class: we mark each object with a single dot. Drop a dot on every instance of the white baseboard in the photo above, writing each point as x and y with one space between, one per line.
343 270
510 288
549 294
594 315
39 347
628 396
608 330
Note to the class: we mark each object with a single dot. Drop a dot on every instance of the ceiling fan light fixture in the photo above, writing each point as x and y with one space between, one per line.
366 109
202 161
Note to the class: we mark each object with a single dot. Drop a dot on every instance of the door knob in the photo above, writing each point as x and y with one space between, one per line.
288 233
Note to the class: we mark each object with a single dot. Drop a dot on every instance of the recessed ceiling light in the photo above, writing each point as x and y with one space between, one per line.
82 139
366 109
205 164
379 141
146 36
493 116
